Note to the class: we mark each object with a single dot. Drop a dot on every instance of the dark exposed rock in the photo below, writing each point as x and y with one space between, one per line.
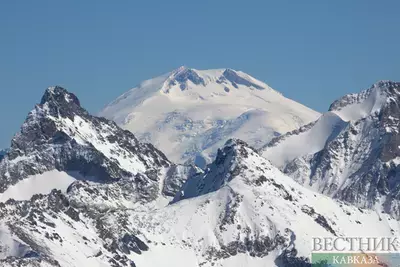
235 79
287 259
71 212
318 218
260 180
228 217
132 243
175 178
183 75
28 262
259 247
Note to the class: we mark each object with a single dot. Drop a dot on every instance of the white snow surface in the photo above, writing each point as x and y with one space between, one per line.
38 184
304 143
10 245
193 122
361 105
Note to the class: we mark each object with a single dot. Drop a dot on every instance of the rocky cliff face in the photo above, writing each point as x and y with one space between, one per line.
359 161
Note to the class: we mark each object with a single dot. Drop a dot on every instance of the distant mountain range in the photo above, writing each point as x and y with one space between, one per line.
78 190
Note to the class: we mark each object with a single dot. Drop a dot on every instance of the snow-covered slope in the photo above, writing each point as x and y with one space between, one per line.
352 152
241 212
189 113
306 140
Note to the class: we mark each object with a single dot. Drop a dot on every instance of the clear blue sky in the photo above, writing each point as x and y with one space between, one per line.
311 51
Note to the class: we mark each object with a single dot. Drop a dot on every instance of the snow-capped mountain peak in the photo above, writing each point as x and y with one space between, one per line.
59 95
186 78
352 152
181 77
227 164
353 107
60 139
189 113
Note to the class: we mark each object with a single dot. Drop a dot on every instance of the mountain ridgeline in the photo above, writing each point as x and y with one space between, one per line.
79 190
